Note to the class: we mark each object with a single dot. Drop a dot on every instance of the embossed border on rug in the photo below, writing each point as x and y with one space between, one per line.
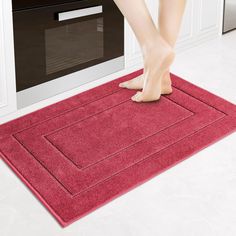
80 153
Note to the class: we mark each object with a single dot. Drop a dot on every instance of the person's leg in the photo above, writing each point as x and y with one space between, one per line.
169 22
157 53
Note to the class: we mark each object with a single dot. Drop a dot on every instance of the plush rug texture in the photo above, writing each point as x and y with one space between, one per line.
82 152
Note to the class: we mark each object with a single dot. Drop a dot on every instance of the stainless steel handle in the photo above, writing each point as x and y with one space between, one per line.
79 13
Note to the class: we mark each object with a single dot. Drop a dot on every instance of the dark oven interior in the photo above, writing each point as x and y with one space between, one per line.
47 48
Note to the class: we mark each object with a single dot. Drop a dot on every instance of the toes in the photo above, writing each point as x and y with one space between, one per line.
133 97
137 97
125 84
135 83
140 97
122 85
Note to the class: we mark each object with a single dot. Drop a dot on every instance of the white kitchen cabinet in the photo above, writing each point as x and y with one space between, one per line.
7 68
202 21
209 15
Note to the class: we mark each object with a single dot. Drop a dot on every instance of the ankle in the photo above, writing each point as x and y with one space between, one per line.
156 45
147 48
166 74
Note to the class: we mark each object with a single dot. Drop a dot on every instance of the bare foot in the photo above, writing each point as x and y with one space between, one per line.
157 59
137 83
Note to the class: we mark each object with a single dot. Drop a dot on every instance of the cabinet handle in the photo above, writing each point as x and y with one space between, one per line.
79 13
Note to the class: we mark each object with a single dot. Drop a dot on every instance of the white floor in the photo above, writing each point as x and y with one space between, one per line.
194 198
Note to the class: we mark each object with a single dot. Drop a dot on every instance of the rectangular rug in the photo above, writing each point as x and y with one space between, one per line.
80 153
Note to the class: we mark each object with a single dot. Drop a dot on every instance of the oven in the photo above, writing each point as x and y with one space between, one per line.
61 44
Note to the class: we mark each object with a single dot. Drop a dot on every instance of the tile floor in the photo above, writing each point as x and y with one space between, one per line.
194 198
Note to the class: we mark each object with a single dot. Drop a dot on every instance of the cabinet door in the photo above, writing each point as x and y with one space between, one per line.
209 15
7 66
202 21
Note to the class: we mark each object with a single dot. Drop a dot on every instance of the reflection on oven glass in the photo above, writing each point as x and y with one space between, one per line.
73 44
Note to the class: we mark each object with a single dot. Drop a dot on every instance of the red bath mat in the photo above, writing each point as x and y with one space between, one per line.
82 152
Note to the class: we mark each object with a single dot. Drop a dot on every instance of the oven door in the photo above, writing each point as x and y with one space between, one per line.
53 41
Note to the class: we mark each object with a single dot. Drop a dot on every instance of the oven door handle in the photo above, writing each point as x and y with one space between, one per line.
62 16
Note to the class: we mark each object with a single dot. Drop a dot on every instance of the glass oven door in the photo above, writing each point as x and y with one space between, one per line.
53 41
